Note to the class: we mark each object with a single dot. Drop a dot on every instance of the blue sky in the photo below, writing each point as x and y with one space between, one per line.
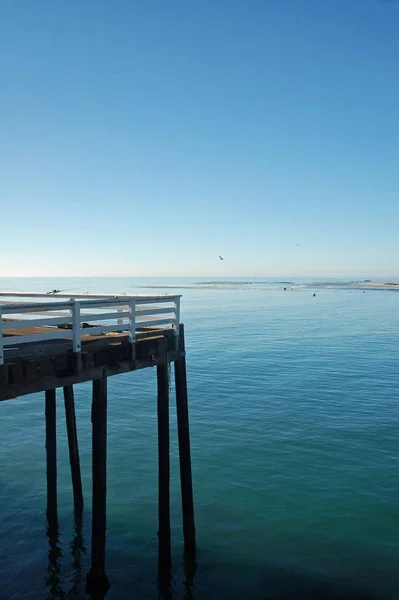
146 138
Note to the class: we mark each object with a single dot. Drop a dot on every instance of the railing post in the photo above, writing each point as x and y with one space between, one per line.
132 326
76 325
120 321
177 321
1 340
177 315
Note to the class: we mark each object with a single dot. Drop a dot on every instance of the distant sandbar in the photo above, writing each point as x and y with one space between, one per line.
377 283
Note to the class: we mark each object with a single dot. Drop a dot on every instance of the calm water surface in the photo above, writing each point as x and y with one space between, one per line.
294 426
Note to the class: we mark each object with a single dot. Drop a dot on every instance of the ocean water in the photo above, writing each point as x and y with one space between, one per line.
294 428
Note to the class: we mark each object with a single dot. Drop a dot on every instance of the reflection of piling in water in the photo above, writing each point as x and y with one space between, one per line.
77 549
53 580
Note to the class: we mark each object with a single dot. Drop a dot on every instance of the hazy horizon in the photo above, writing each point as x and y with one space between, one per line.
276 276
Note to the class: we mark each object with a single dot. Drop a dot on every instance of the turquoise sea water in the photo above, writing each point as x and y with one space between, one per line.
294 430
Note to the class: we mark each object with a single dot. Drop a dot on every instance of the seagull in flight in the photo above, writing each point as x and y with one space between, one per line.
221 257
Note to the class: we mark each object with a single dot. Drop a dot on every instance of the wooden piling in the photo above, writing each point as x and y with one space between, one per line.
184 447
51 456
97 583
70 416
163 464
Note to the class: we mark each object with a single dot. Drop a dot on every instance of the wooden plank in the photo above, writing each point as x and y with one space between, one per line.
154 311
50 334
47 334
60 346
99 329
23 307
29 323
51 313
104 316
154 322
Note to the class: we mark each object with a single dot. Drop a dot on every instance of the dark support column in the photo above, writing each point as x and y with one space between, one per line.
51 456
184 448
97 583
163 465
73 448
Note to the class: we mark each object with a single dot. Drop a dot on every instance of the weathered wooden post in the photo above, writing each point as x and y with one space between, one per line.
51 456
163 461
97 583
70 416
184 447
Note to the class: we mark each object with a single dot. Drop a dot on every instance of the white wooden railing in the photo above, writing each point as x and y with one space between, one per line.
94 315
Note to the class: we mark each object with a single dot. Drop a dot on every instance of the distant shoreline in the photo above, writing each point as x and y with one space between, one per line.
377 283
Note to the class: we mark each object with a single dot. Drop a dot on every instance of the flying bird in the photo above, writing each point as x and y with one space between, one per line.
298 245
221 257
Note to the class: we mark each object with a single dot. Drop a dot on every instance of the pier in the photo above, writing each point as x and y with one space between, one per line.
57 340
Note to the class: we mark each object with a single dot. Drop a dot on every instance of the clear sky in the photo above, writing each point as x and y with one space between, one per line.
147 138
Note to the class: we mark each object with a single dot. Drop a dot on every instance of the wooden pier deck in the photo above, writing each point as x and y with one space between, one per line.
74 340
50 344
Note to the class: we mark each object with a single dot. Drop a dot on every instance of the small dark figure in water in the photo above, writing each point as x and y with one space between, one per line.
285 289
314 295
